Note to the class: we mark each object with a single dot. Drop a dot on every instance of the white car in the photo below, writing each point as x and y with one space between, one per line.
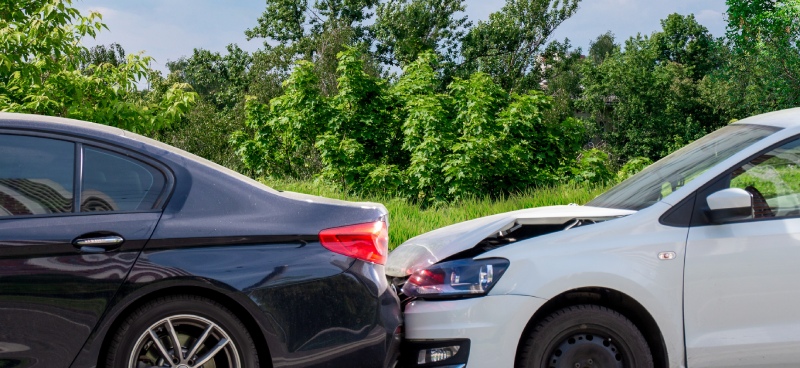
695 261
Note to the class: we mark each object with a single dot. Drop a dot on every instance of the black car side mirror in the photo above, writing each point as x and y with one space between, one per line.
727 205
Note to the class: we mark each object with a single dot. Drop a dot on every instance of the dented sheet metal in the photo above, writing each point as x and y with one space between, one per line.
432 247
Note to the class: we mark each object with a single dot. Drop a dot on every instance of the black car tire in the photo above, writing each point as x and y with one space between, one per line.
585 336
187 314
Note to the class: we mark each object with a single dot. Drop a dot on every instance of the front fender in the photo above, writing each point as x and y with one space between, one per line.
622 255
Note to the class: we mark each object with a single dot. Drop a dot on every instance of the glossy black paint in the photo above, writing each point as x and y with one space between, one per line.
219 235
47 285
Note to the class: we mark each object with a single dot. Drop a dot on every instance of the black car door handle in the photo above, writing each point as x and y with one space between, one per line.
98 244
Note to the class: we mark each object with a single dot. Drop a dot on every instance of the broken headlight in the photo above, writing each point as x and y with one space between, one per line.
461 278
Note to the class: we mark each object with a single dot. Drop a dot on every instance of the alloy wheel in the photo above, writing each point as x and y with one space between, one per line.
184 341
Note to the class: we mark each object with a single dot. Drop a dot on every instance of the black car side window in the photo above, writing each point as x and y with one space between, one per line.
112 182
36 175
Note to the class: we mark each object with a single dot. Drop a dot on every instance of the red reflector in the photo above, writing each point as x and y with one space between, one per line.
368 242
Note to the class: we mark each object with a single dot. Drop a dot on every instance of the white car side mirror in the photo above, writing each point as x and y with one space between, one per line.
730 204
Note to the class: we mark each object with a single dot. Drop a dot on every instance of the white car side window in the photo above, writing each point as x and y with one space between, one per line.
774 181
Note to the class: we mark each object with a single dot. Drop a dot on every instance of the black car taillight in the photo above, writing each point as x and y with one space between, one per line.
368 242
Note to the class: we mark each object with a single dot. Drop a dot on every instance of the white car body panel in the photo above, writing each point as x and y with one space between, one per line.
742 288
597 256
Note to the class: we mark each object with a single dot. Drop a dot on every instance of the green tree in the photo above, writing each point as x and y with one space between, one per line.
508 45
753 24
205 131
40 71
427 132
220 79
686 42
763 71
602 46
648 99
286 129
113 54
562 78
593 166
404 29
298 30
359 147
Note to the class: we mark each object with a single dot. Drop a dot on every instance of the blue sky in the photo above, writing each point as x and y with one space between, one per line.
169 29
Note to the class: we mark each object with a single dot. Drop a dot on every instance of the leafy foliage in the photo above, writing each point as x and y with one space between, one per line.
293 21
404 29
562 78
42 71
593 167
507 46
205 131
220 79
632 167
686 42
113 54
286 129
763 69
317 32
646 100
358 146
472 140
603 46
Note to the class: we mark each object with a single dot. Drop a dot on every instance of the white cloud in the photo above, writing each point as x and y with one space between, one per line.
168 30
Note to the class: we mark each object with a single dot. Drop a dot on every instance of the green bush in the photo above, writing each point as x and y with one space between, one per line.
632 167
205 131
473 139
594 167
285 131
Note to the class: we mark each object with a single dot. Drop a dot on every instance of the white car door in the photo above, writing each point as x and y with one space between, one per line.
742 279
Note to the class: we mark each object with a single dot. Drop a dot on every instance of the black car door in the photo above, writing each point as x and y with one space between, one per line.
73 218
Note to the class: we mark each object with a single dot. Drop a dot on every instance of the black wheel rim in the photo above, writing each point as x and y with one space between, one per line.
184 341
586 350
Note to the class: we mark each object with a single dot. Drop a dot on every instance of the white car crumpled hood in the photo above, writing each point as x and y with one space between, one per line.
430 248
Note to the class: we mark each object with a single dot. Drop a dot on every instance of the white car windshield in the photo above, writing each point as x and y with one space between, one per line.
662 178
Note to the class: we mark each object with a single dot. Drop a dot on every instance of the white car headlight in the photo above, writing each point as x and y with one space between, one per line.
454 279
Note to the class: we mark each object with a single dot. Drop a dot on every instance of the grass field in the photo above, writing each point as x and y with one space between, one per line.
408 219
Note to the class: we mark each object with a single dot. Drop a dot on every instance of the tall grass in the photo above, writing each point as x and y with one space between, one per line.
408 220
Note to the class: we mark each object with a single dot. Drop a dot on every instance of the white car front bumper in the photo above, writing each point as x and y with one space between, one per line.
493 325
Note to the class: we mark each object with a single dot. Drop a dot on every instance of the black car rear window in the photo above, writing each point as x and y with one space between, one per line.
112 182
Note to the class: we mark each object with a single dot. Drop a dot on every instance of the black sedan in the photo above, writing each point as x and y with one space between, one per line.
120 251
